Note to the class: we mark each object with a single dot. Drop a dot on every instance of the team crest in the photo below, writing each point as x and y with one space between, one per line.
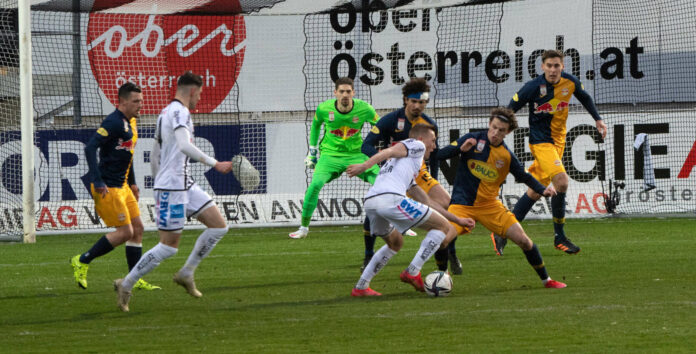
557 162
481 145
400 124
565 91
356 119
121 217
331 116
125 126
542 91
499 164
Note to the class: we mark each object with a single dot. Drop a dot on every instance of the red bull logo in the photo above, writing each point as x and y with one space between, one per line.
551 107
125 145
344 132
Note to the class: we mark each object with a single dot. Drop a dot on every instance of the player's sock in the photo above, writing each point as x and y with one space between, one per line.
558 205
522 207
430 244
204 245
534 259
379 260
100 248
133 253
369 239
147 263
451 247
441 256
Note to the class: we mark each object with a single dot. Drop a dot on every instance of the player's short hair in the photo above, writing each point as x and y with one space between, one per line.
505 115
415 86
344 81
551 53
189 79
125 90
420 130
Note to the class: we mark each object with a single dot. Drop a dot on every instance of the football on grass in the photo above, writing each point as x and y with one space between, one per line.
248 176
438 283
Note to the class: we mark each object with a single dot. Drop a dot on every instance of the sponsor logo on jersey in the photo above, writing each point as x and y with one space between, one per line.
565 91
482 170
552 106
125 145
499 164
409 208
344 132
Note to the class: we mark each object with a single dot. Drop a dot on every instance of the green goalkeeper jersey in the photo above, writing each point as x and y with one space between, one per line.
342 131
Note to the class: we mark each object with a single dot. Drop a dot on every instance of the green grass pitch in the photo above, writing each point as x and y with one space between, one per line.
631 289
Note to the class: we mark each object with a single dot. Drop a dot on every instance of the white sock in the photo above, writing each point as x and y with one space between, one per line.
378 261
430 244
147 263
204 244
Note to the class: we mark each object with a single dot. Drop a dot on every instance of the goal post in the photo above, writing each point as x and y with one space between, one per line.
27 118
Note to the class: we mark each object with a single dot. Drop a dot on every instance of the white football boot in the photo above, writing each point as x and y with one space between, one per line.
300 233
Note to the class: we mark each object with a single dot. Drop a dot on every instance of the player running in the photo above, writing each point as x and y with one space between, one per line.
395 127
548 96
391 213
484 163
177 196
113 185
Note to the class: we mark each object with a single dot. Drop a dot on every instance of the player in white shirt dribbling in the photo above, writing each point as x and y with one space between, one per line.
177 196
391 212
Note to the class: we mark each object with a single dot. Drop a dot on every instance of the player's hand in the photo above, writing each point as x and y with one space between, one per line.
136 191
311 159
468 144
101 189
467 223
549 191
601 128
223 167
357 169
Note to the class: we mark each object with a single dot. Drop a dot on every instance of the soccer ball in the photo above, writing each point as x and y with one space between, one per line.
438 283
248 176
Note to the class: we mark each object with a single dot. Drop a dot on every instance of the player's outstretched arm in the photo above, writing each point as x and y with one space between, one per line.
92 164
398 150
183 141
418 194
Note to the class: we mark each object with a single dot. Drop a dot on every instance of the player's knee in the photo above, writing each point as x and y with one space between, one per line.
560 182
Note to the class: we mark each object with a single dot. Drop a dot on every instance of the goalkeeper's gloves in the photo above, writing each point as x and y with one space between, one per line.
311 159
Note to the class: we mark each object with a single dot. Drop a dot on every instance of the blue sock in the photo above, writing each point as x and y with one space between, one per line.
534 259
522 207
133 254
369 239
100 248
558 212
451 248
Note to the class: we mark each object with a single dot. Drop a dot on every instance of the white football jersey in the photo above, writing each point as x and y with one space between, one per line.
174 173
398 174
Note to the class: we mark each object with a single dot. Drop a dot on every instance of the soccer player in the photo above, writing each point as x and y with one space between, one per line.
548 96
391 213
395 127
113 185
484 163
177 196
343 118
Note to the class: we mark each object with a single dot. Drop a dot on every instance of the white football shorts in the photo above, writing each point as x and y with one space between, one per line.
388 211
173 207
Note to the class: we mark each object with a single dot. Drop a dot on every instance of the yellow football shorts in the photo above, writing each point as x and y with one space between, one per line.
547 162
494 216
425 180
117 207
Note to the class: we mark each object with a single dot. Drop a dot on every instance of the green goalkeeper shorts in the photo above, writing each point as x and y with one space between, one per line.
331 167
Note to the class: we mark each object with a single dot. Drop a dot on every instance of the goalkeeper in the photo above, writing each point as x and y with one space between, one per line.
343 119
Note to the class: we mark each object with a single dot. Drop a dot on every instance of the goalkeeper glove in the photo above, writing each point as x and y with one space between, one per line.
311 159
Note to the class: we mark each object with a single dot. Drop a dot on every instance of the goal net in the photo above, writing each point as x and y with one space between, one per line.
267 64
